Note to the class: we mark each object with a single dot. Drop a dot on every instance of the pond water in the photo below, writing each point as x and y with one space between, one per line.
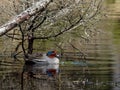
70 74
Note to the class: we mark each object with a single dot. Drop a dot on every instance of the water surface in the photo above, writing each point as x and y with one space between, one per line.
69 75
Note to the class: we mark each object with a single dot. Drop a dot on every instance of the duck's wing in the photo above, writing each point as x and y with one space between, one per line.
36 61
39 60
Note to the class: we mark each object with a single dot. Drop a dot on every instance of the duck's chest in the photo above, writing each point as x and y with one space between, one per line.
53 60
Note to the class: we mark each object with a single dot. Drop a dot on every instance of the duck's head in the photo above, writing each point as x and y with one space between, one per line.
51 54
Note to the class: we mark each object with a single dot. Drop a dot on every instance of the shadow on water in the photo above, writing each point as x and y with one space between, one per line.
70 75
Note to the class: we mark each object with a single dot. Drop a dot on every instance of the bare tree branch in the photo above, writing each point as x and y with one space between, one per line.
38 7
63 31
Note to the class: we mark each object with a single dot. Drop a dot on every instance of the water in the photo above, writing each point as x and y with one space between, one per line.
69 75
98 71
115 16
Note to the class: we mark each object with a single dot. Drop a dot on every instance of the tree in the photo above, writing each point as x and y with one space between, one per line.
38 7
54 19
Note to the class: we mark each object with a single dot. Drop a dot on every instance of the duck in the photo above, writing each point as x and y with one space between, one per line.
50 57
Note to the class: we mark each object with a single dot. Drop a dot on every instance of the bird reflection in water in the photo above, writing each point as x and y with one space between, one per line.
41 71
39 76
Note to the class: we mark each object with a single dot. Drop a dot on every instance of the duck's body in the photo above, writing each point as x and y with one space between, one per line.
49 58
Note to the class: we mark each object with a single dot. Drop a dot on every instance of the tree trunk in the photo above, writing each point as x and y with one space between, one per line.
30 45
